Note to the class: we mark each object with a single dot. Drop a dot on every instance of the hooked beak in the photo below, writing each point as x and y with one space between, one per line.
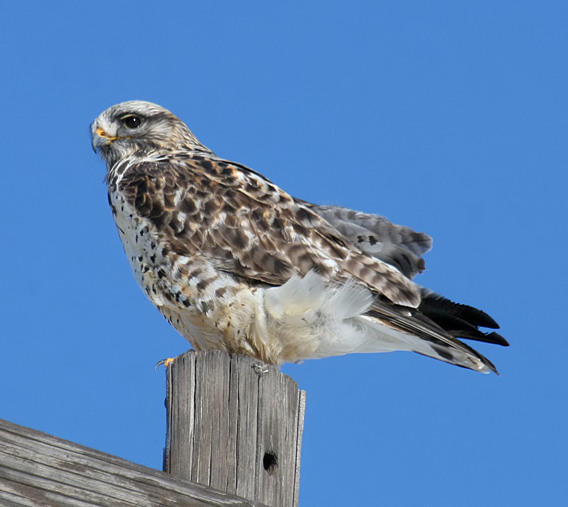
101 138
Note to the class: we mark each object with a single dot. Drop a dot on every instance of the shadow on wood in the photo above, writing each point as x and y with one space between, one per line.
234 424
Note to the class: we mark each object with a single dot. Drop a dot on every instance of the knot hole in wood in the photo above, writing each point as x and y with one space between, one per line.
270 462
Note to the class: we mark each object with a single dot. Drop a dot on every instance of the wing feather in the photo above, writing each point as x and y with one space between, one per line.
257 231
394 244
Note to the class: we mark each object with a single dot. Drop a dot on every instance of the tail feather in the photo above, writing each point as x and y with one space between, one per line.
425 337
315 319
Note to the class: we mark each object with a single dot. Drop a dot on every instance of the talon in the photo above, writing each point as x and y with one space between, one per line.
165 362
260 368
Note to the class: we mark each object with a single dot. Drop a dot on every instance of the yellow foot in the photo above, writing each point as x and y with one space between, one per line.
165 362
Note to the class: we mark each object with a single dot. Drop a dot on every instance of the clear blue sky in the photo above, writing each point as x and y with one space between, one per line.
447 116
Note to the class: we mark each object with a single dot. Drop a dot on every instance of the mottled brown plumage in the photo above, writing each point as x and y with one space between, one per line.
226 255
257 230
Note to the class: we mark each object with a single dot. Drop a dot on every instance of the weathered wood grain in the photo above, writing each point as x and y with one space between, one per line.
236 425
37 469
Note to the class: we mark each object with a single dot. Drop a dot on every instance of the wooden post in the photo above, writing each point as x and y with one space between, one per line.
234 424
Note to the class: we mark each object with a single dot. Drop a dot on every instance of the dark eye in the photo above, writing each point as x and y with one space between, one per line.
132 121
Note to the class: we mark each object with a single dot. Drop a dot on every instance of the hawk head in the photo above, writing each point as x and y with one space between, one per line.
140 127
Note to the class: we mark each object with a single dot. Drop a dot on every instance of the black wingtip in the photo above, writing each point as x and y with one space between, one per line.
497 339
461 321
477 317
